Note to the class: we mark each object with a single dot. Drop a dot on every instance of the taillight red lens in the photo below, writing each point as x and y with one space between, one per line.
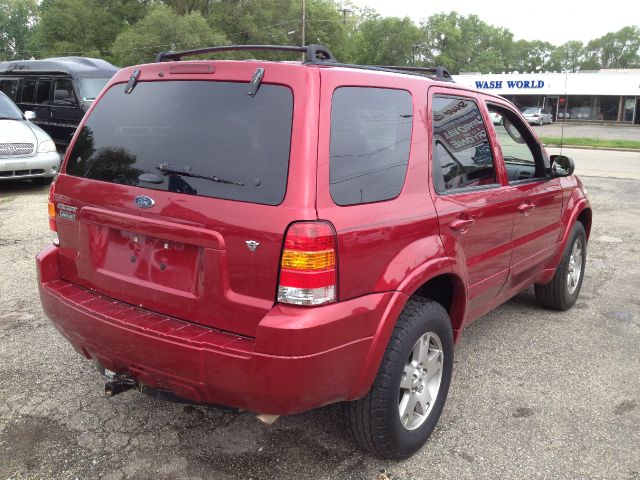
308 270
52 209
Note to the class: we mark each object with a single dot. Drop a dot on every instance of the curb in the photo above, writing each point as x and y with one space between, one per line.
586 147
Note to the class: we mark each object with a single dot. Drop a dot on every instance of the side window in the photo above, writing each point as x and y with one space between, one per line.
10 88
42 93
522 155
63 92
370 141
461 151
28 90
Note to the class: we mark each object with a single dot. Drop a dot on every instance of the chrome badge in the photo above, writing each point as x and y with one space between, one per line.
143 201
252 244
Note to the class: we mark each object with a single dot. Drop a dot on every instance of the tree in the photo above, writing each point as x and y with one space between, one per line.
619 49
17 21
279 22
567 57
85 27
386 41
465 43
163 29
184 7
530 56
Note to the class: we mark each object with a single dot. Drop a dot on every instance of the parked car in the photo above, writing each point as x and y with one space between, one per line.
58 90
26 151
537 116
277 236
496 118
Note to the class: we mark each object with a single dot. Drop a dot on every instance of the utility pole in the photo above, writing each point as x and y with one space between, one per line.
344 11
303 24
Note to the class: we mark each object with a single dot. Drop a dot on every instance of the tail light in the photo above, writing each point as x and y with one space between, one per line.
52 209
308 269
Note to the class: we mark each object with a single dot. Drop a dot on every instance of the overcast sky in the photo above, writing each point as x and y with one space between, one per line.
555 21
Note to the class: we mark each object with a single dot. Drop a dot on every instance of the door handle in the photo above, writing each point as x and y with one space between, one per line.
462 224
525 208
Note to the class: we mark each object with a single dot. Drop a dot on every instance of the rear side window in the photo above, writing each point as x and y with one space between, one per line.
10 88
462 155
63 92
370 141
192 137
42 94
28 91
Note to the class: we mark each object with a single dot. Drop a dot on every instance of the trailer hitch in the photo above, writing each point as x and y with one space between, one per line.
119 383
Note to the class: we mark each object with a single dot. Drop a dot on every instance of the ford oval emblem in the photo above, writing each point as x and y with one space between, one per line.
144 202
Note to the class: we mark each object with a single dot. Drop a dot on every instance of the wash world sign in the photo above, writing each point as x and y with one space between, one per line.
509 84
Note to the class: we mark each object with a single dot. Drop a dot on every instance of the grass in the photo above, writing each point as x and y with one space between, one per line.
591 142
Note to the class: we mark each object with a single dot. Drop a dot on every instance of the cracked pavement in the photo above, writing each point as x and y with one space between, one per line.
535 393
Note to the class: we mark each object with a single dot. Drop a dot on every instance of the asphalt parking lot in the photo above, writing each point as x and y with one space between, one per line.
535 393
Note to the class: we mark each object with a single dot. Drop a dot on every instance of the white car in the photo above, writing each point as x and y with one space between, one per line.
26 151
537 116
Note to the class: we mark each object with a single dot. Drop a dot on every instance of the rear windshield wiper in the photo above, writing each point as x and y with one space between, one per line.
186 172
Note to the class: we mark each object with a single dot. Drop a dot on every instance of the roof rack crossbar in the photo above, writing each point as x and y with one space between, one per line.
439 72
313 52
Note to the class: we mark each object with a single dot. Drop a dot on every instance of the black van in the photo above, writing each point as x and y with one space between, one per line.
58 90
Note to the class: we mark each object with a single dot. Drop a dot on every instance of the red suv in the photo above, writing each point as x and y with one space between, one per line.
277 236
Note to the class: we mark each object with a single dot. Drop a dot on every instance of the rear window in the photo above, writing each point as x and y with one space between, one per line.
370 141
168 135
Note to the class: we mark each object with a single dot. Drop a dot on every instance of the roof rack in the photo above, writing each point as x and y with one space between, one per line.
314 53
440 73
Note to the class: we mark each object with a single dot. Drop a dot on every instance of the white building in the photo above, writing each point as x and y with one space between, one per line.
604 96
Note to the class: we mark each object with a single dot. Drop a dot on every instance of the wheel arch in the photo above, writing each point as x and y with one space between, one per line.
443 284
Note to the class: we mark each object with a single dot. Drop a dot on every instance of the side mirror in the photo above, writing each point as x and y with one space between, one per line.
29 115
562 166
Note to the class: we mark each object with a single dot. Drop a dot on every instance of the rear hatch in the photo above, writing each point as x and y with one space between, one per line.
176 196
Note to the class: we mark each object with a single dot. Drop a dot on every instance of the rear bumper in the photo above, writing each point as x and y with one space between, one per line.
300 359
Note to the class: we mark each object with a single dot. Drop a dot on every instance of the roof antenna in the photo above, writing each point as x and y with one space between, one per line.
564 115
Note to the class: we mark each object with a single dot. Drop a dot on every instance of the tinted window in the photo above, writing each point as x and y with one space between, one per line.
63 93
370 140
206 128
9 88
28 91
462 154
42 94
90 87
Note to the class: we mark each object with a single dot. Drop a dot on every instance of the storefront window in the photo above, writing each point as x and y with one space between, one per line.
580 107
628 108
526 101
607 108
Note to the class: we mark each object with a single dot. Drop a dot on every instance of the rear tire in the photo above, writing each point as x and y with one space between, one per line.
563 289
413 378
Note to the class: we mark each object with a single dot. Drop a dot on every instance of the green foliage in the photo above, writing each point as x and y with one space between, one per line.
619 49
134 31
466 43
84 27
17 21
386 41
567 57
163 29
530 56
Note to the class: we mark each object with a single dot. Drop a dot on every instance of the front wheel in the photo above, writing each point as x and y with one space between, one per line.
404 404
563 289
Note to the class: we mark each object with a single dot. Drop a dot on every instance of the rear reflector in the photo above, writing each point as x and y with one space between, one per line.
52 209
308 270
